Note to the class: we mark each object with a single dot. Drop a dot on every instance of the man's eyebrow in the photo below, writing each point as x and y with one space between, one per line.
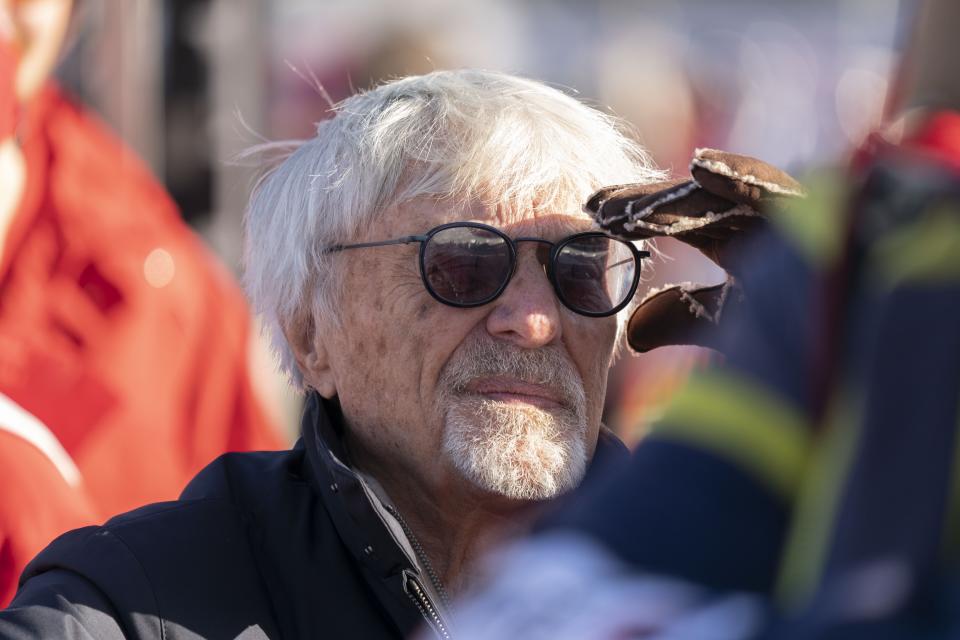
559 232
555 228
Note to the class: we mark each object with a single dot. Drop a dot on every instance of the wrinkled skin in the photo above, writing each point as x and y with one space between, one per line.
385 362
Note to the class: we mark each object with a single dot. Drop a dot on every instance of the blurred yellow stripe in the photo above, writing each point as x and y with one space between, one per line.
817 503
815 224
739 421
927 251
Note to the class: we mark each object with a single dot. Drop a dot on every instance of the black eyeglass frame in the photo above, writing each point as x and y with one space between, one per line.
555 249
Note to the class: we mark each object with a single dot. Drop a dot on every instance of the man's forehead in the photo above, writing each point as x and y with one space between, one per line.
525 218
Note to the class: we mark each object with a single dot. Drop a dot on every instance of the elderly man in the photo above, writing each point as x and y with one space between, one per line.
434 287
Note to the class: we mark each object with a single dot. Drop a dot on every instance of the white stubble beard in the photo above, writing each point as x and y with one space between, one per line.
517 450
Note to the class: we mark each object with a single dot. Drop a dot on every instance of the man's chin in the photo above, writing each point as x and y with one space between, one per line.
515 449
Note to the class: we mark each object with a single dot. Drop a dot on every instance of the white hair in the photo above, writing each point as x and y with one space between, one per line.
447 134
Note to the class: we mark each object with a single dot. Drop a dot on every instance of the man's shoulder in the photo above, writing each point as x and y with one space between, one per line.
233 475
193 560
154 548
160 569
231 494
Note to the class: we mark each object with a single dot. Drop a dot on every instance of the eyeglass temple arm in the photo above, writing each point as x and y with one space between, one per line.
381 243
640 254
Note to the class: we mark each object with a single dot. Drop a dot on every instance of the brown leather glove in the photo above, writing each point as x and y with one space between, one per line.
724 204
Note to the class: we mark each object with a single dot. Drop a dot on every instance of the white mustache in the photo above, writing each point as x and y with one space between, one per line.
547 366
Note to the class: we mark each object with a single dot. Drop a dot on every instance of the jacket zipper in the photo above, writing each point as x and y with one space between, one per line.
422 557
419 597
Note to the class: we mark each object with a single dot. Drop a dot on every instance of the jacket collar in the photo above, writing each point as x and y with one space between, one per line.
361 528
366 530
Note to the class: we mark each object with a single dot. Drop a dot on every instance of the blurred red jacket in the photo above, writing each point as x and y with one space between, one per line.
119 334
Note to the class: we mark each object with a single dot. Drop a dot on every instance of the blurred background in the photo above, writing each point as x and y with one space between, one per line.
190 83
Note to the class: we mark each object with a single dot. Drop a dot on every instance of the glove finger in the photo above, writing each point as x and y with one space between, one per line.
689 213
680 207
742 179
679 315
609 202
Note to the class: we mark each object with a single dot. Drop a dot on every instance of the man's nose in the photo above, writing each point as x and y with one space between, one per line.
528 312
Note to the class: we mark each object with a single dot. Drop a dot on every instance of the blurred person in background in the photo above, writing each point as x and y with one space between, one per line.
435 289
123 343
806 487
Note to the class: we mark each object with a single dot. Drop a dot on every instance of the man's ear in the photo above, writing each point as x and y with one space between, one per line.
311 354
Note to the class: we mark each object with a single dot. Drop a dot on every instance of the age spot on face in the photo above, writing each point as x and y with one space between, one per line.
360 348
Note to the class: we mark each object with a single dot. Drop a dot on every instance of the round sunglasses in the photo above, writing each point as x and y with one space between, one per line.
469 264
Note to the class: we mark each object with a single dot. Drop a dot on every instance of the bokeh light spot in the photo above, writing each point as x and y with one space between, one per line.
159 268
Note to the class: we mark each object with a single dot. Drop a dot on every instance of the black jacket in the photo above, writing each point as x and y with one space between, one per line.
289 544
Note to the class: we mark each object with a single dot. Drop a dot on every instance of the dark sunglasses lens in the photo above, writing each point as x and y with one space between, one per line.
595 274
466 265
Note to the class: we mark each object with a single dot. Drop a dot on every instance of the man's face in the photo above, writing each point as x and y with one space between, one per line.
504 399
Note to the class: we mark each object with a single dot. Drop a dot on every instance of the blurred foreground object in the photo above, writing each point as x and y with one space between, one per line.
123 345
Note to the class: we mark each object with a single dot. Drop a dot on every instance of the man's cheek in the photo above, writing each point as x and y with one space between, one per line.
387 361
